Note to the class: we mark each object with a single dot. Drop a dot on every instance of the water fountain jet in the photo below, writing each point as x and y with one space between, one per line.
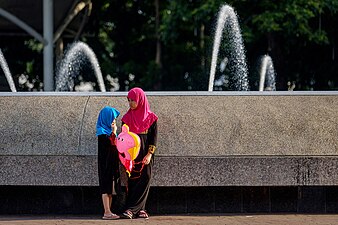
227 17
267 74
8 74
77 55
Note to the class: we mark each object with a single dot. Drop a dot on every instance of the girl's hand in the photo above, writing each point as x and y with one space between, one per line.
146 159
114 129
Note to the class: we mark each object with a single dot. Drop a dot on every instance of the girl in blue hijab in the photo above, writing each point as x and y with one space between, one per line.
108 162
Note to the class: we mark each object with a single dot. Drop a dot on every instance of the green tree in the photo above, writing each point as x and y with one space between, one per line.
295 33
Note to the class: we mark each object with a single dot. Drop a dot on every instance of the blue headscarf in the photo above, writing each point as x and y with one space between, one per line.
105 119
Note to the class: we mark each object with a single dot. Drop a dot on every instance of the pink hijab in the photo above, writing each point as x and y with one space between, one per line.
141 118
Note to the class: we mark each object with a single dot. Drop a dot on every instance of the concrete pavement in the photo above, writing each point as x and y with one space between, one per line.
191 219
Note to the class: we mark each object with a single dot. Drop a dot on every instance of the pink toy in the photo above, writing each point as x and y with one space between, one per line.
128 144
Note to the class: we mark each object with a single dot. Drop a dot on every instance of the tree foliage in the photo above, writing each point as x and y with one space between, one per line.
299 35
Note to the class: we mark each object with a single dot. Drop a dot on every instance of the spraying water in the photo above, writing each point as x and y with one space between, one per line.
228 18
8 74
77 55
267 75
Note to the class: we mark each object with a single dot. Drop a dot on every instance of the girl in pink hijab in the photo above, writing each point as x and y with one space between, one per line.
142 121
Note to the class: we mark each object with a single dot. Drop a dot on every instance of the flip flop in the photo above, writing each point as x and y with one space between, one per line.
127 214
110 217
143 214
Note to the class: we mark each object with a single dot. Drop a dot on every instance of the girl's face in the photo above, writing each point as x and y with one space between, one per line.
113 123
132 103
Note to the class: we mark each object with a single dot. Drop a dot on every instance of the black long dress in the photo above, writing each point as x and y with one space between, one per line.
108 162
139 181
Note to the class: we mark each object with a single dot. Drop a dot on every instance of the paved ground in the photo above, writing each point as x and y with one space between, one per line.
225 219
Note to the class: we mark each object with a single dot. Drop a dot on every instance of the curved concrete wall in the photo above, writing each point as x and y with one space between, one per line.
205 139
189 125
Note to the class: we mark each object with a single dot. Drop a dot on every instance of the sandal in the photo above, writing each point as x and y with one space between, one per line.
111 216
143 214
127 214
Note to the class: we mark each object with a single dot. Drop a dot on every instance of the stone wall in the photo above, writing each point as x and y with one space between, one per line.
205 139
